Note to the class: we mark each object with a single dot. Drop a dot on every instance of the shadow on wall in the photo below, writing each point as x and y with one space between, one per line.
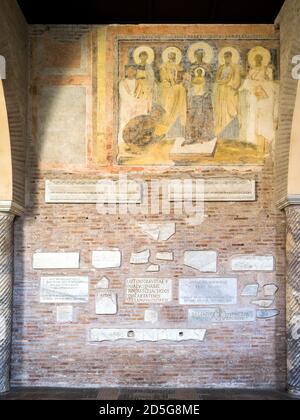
61 86
60 81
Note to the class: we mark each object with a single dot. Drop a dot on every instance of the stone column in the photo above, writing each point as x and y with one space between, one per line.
6 289
293 297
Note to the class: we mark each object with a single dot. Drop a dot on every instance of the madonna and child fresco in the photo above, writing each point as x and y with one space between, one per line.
196 103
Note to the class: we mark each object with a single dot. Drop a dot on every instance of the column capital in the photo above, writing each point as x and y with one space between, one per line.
11 207
291 200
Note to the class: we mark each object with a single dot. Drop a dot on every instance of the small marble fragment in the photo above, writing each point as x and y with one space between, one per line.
263 303
151 316
153 268
165 256
140 257
103 283
250 290
267 313
270 290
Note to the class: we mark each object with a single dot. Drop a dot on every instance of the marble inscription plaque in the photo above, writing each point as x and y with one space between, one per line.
211 315
148 290
55 260
218 190
64 290
152 335
253 263
107 258
208 291
93 192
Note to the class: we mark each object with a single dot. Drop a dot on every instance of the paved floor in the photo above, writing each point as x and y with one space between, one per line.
142 394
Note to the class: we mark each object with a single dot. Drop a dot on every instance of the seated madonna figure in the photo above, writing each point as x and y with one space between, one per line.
200 119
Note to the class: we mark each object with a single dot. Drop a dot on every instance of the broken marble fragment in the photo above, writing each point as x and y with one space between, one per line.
99 335
151 316
110 258
159 231
250 290
204 261
264 303
270 290
106 302
253 263
165 256
103 283
140 257
153 268
267 313
64 314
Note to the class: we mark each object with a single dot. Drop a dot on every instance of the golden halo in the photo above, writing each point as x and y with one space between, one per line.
139 50
259 51
235 55
208 56
200 68
165 54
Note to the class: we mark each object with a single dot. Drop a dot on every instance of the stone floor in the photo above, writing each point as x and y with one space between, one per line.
142 394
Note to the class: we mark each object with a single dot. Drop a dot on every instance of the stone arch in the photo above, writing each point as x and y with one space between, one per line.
5 155
294 168
286 168
14 47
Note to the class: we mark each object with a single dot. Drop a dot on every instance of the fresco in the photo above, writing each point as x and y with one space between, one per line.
195 102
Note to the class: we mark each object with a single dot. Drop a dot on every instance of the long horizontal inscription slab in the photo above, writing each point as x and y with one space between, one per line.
93 192
253 263
212 315
107 191
152 335
214 190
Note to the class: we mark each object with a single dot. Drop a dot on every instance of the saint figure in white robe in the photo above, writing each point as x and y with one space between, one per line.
258 104
226 98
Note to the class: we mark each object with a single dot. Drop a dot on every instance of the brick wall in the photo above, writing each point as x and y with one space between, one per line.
49 354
